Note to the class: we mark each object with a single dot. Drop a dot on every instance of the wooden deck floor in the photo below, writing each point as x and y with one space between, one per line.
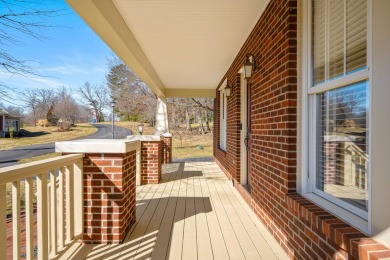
192 214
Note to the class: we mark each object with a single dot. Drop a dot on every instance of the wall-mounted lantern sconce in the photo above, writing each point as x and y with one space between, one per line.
141 128
250 65
229 87
228 91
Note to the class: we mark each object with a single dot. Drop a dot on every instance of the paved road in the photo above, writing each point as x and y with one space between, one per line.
11 157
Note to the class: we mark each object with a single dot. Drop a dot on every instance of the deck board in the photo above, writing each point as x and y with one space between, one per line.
192 214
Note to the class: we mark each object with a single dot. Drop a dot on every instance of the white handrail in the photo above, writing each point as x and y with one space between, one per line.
59 191
22 171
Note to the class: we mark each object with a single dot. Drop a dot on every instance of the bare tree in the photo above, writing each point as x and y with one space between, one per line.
31 100
19 17
96 96
200 121
188 119
47 99
84 114
132 96
66 107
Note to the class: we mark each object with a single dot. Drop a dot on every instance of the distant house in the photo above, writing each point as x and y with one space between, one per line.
8 122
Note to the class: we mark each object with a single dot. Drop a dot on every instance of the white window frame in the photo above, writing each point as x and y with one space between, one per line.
307 185
223 116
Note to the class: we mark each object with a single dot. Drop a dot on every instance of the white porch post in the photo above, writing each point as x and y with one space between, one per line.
161 117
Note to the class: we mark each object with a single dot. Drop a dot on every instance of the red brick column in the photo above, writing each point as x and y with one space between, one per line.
330 163
109 196
109 181
151 160
167 148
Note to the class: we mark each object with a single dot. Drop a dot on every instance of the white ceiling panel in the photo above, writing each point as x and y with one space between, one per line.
190 43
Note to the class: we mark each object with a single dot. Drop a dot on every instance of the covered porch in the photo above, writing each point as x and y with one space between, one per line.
193 213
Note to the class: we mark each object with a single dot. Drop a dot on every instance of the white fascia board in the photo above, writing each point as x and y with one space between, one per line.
104 18
223 85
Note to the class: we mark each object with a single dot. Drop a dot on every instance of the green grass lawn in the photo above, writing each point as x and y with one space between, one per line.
194 145
192 141
41 135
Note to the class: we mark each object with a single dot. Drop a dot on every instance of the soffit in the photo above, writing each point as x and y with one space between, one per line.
190 43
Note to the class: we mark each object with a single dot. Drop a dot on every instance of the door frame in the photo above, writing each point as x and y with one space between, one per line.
243 131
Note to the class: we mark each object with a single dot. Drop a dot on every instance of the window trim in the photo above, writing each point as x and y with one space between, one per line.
306 182
223 117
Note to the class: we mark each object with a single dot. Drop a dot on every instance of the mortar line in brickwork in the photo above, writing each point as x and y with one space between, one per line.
142 230
107 252
149 188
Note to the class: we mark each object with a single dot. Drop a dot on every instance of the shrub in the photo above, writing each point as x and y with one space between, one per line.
64 126
11 133
43 123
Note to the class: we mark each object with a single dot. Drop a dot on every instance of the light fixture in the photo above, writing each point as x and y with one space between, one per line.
250 65
227 91
229 87
141 128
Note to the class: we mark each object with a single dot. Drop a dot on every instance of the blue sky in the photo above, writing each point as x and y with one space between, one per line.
72 54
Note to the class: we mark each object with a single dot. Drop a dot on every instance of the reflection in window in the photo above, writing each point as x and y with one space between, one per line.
342 159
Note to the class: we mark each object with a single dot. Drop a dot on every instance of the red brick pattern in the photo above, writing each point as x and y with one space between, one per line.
151 161
167 149
304 230
109 196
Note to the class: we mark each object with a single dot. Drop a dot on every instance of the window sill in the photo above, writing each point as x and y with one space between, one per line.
352 219
222 150
326 225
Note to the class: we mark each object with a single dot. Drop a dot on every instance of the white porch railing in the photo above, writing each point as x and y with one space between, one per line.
59 207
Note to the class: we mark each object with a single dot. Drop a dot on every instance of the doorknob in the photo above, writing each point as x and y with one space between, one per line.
246 141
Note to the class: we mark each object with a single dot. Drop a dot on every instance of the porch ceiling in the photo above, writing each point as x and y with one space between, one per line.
179 48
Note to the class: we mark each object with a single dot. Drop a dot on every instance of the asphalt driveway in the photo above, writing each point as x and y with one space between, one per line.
11 157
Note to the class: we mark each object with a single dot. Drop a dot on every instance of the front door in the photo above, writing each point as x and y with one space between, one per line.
245 133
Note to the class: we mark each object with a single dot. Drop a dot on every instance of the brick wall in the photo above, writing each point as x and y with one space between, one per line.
231 157
167 149
109 196
304 230
151 160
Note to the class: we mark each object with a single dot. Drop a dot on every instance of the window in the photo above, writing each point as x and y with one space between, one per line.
11 125
223 113
338 99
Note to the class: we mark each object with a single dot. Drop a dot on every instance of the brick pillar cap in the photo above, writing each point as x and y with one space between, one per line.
146 138
167 135
97 146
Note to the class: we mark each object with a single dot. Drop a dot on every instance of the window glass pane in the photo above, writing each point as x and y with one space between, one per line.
339 42
356 35
342 157
336 38
318 41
